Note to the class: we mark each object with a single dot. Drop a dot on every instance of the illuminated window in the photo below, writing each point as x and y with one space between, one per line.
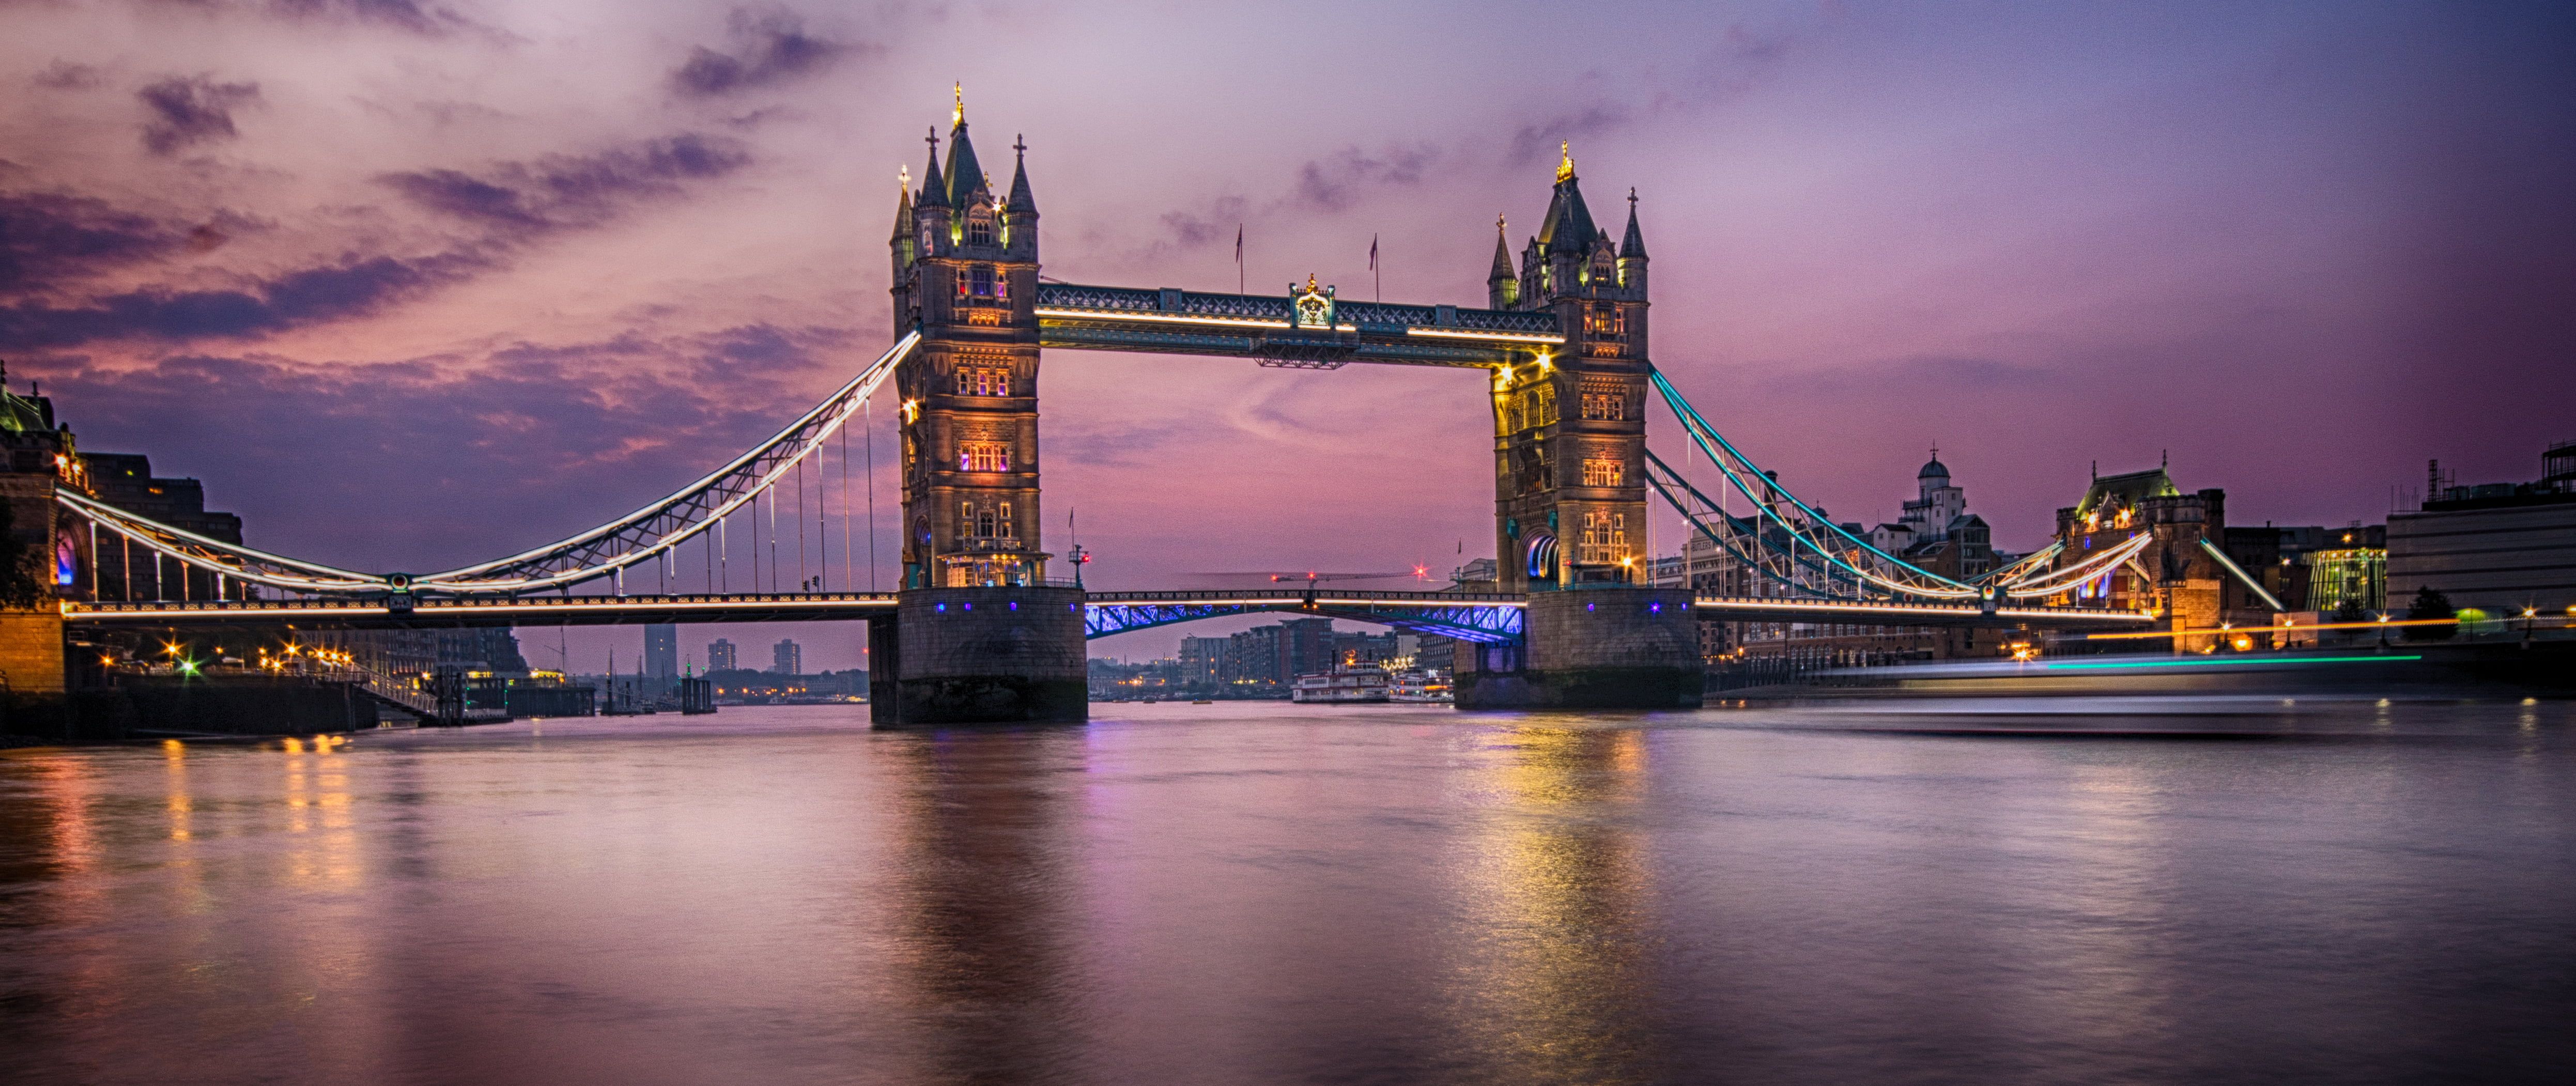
983 381
1543 405
1603 321
983 456
985 520
1604 540
1609 406
965 284
1600 472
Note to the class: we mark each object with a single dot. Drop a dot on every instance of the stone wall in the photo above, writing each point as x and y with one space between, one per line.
1611 648
985 656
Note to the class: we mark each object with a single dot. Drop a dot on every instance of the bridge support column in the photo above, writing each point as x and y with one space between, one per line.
1009 655
1603 648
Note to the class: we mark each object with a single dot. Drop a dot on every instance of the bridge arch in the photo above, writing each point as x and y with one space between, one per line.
1484 618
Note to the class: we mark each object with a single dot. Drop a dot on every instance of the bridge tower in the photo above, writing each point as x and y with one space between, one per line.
979 637
1569 479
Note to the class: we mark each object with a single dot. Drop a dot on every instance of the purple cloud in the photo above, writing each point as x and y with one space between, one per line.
771 47
189 110
46 238
352 286
562 191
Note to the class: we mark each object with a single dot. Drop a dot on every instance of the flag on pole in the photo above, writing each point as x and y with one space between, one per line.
1376 288
1372 252
1238 258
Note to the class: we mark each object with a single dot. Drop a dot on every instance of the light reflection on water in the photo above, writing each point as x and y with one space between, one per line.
2069 891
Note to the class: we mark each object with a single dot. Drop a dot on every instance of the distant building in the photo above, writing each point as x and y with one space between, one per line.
721 656
1201 660
1935 531
786 658
661 651
2499 547
125 480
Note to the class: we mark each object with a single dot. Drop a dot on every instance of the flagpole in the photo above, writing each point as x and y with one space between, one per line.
1377 284
1238 258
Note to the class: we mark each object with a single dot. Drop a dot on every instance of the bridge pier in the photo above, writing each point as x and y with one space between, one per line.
1599 648
1005 655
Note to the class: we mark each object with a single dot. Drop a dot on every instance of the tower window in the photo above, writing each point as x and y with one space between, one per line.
982 280
1603 472
1604 540
983 456
983 381
1610 406
985 520
1604 321
979 230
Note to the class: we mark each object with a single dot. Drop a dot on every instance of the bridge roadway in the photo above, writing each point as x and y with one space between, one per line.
1469 615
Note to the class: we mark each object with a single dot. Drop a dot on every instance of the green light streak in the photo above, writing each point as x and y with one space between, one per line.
2215 663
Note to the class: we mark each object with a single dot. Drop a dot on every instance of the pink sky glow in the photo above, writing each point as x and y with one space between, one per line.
412 283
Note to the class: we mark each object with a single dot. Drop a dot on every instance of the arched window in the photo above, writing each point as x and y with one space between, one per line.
979 229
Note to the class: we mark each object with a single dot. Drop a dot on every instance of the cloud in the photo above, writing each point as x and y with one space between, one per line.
64 75
770 47
1191 229
351 286
563 191
1538 142
46 238
402 13
1334 183
189 110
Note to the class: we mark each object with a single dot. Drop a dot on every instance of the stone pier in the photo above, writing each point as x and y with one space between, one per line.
1601 648
1006 655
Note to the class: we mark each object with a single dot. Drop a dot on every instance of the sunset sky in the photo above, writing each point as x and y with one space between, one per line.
411 284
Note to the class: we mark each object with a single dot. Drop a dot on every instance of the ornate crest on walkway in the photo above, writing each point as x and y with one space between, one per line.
1311 306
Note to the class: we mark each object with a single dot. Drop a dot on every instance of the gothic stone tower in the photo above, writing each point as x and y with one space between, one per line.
1569 432
977 636
1569 490
966 275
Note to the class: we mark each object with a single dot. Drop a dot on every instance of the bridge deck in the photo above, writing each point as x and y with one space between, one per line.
1110 612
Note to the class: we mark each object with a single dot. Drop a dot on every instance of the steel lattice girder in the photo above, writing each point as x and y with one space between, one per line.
1489 625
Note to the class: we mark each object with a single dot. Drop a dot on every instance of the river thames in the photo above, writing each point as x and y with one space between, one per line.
2209 891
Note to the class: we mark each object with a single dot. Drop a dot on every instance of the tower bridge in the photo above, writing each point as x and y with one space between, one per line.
979 630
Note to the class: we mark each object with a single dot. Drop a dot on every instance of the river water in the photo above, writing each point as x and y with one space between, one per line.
2205 891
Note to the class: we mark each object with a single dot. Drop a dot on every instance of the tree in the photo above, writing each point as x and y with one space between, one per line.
22 580
2431 606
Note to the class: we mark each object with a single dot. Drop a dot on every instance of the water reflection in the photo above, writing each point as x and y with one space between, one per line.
984 860
1277 895
1556 985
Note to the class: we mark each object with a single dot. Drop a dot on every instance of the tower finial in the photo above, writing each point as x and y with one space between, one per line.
1565 160
1498 224
1020 143
959 116
903 178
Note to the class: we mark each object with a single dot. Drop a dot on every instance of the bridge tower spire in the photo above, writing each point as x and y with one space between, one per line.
966 276
1569 492
1570 500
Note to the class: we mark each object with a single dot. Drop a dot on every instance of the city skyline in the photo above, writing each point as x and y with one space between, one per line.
549 265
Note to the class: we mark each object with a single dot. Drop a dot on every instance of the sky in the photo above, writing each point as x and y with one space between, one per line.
411 284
